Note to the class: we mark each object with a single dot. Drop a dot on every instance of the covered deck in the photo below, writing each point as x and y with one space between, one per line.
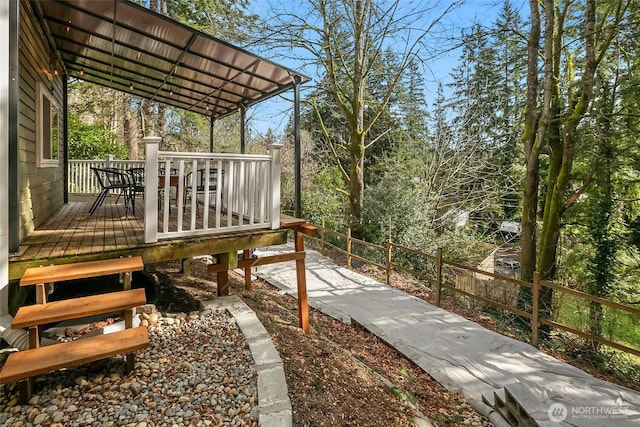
73 235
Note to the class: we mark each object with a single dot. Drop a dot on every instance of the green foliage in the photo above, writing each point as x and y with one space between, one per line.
323 199
92 141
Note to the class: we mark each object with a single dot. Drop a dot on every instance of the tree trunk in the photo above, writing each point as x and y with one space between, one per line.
356 176
532 153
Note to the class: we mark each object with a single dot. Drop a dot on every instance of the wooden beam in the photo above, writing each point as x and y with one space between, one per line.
254 262
162 251
287 221
308 229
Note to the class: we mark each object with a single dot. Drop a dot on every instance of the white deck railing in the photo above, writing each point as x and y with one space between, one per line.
83 181
231 192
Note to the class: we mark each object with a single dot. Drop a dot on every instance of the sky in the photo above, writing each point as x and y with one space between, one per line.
275 113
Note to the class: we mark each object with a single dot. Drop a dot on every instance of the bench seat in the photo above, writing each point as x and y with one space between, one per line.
37 361
80 270
76 308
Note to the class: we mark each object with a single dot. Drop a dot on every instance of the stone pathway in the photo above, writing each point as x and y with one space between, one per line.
463 356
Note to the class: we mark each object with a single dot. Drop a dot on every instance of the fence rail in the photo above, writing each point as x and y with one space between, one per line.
492 289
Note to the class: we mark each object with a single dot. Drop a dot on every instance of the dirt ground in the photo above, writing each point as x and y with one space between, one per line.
337 375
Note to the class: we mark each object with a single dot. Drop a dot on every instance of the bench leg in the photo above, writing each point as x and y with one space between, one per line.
25 388
34 336
130 362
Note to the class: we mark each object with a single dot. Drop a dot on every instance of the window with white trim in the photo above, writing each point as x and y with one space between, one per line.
48 127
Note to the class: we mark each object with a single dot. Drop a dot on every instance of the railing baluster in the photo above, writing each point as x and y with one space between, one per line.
230 197
219 187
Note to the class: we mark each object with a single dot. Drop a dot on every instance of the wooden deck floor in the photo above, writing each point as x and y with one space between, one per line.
72 231
72 235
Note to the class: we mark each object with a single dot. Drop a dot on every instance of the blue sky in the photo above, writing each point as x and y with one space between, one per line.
274 114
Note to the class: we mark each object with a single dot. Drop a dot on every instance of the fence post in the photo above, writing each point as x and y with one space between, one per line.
152 143
349 247
110 159
322 237
438 275
535 308
388 258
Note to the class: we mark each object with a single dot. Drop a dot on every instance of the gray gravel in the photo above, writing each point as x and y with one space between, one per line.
197 371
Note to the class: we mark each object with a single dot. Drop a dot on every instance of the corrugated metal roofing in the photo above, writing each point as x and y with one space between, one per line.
122 45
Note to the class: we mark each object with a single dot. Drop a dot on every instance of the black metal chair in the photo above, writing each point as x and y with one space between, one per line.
136 177
201 187
111 180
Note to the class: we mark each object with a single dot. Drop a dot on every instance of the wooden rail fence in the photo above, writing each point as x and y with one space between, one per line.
500 291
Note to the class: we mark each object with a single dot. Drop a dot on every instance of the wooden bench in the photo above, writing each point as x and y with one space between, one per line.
76 308
24 365
29 363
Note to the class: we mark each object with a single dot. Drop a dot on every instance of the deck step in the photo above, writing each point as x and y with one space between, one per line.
37 361
75 308
80 270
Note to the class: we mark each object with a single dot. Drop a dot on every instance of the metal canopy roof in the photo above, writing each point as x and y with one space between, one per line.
124 46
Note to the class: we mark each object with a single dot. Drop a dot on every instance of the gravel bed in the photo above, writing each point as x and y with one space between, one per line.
197 371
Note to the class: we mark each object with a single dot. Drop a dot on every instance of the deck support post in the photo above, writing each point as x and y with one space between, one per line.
301 280
229 261
186 266
246 254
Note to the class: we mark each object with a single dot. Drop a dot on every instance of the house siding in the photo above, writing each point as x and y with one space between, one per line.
41 190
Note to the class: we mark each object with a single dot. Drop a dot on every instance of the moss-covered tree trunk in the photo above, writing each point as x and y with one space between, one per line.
553 127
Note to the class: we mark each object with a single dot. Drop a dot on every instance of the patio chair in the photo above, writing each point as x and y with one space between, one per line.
111 180
136 177
200 185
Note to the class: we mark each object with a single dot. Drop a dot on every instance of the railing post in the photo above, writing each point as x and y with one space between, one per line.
322 237
349 247
438 276
109 161
152 144
388 258
274 196
535 308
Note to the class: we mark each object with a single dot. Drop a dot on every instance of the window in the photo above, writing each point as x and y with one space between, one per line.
47 128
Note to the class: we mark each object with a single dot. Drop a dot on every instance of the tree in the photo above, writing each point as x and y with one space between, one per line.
348 41
552 121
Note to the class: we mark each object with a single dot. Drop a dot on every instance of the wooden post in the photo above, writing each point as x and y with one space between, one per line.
152 144
348 247
322 237
247 271
230 261
222 277
388 258
274 197
535 308
128 319
186 265
301 278
41 293
438 276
